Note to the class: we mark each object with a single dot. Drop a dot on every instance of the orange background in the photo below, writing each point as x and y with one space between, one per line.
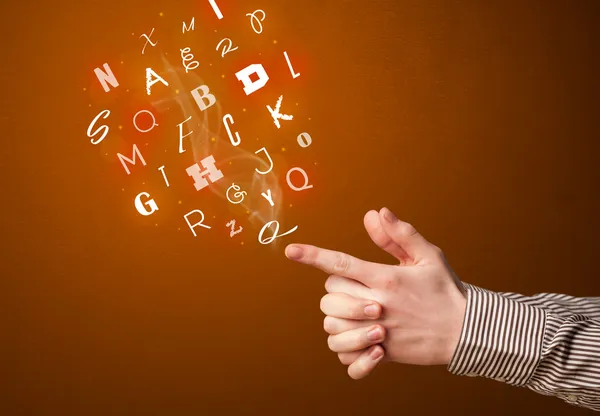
475 121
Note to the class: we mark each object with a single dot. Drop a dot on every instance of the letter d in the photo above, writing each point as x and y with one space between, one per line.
251 86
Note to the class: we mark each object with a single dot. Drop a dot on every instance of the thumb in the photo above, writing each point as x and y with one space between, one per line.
382 239
406 236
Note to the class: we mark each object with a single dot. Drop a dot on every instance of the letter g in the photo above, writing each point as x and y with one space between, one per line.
142 207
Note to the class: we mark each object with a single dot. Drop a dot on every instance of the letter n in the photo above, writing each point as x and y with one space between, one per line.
106 77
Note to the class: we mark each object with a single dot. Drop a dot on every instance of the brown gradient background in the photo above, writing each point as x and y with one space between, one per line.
475 121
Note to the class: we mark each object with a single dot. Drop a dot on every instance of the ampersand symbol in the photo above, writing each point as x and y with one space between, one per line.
238 195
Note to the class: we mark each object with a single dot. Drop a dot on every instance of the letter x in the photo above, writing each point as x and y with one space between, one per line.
148 40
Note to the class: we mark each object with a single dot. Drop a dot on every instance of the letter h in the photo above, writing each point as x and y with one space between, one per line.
199 175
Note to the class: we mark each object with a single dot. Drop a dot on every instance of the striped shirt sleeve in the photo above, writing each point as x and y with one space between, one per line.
549 343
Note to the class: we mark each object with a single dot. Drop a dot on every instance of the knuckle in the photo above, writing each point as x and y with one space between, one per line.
329 324
357 370
329 283
345 358
407 229
323 304
310 254
331 343
342 263
360 339
388 282
356 310
437 250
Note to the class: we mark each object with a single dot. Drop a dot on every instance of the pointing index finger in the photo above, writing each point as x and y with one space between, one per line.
334 262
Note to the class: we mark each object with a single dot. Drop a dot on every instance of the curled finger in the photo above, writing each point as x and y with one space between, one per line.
366 362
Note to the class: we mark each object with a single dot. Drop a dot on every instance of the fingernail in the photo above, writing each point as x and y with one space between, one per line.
293 252
389 215
376 353
375 334
372 310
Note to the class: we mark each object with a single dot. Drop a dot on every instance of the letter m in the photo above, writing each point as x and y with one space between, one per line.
124 159
188 28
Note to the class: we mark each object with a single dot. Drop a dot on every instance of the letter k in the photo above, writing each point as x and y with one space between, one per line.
277 115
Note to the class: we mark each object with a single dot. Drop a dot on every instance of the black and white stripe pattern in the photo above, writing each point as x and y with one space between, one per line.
548 342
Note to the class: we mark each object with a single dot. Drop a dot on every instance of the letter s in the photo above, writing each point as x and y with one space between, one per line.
103 128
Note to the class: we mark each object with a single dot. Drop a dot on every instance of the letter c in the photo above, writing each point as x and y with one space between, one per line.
235 141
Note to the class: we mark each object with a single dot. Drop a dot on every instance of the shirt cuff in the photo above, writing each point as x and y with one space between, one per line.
500 339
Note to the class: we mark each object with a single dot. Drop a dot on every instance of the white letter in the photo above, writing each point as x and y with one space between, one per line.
103 128
294 74
276 114
141 206
181 136
148 40
205 95
268 197
162 169
304 140
198 224
237 194
216 9
123 159
106 77
268 157
275 235
237 140
288 179
249 85
211 171
150 82
258 21
154 124
226 48
186 28
233 231
186 56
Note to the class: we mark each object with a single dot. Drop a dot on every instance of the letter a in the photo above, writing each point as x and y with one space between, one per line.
150 82
249 85
124 159
106 78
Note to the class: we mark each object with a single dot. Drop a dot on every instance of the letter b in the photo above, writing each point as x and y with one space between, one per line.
203 95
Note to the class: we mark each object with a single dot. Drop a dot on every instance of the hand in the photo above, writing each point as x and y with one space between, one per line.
345 311
423 301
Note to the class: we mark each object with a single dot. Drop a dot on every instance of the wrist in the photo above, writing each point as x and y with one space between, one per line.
455 328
